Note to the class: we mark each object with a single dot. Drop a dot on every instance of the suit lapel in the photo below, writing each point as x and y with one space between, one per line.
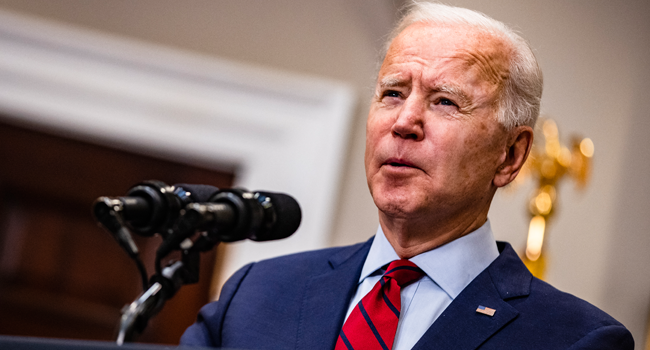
327 297
460 327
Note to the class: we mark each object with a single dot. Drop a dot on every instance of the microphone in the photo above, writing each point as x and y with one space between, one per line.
236 214
153 206
106 212
259 216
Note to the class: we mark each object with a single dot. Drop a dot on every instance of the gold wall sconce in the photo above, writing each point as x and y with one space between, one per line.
549 163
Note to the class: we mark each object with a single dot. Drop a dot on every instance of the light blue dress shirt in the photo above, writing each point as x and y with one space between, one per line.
449 269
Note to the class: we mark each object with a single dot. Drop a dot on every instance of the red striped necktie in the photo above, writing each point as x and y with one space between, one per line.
373 322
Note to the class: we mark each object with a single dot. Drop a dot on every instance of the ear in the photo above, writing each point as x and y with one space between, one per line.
517 149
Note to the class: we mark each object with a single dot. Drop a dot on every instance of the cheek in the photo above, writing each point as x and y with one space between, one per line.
474 148
446 142
372 139
377 121
465 151
367 158
377 127
482 152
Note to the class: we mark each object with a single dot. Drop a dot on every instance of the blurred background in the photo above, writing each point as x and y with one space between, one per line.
96 96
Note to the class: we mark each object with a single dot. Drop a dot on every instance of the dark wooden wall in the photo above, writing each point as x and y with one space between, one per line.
61 275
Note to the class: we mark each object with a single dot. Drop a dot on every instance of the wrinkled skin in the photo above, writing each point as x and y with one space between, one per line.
435 153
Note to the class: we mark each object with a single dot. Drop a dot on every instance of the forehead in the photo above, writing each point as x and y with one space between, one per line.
428 46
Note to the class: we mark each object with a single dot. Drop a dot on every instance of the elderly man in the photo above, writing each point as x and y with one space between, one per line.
451 121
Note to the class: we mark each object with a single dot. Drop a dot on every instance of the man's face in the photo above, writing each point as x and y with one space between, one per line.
433 144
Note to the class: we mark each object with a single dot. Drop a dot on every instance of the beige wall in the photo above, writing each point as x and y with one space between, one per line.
597 82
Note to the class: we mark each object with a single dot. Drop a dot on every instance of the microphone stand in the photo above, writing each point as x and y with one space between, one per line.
136 315
134 319
165 283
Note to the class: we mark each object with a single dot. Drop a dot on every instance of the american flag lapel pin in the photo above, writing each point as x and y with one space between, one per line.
486 310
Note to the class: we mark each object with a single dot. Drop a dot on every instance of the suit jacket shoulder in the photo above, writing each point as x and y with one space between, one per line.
282 303
530 314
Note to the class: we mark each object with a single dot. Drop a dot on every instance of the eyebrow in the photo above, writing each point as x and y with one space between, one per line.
453 90
394 80
391 81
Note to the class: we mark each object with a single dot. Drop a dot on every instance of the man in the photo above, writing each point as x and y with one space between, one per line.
451 121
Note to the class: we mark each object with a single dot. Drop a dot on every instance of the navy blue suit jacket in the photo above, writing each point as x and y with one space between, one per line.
300 301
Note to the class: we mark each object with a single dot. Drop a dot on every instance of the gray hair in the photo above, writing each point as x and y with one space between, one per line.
522 91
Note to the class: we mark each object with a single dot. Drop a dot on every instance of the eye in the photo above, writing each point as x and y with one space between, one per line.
446 102
391 93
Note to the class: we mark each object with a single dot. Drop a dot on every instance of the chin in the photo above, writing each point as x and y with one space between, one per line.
396 204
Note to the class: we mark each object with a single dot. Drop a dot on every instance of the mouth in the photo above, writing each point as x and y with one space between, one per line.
399 163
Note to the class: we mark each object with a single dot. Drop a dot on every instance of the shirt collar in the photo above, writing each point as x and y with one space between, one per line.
451 266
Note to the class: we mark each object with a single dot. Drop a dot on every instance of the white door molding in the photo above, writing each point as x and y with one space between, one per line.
278 131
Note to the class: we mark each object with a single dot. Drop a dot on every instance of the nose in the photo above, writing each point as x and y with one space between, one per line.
409 124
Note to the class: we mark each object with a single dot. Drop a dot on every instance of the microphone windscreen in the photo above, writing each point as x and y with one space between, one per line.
199 193
288 216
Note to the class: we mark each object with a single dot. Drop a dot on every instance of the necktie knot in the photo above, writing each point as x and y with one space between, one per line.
403 272
373 322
